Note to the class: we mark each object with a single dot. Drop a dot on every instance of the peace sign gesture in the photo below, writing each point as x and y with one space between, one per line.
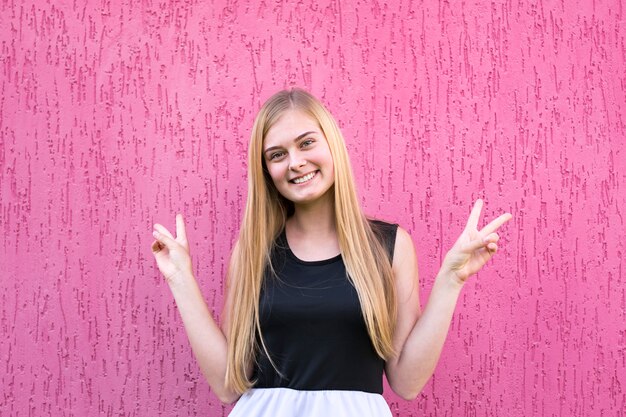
474 248
172 253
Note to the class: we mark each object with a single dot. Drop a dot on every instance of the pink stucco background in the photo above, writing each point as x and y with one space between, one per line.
115 115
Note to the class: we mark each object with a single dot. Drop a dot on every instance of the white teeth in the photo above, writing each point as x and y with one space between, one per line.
305 178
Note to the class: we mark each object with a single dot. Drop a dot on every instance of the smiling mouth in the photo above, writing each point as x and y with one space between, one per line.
305 178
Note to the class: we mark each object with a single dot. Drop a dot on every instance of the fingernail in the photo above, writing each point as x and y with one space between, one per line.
155 234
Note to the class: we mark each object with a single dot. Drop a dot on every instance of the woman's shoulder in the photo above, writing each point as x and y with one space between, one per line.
382 224
386 232
396 240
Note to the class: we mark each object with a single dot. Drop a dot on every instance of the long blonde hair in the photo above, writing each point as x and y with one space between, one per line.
265 215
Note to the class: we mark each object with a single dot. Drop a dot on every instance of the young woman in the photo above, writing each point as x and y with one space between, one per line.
320 300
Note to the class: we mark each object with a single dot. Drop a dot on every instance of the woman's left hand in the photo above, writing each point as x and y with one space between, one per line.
474 247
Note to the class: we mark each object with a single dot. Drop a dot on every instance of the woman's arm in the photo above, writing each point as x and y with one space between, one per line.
207 340
419 337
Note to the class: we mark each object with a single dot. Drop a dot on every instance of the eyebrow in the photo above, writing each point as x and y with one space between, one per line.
271 148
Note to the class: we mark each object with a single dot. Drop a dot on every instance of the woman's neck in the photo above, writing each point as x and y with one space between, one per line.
312 232
314 219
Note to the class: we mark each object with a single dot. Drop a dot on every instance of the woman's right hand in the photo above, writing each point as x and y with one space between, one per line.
172 254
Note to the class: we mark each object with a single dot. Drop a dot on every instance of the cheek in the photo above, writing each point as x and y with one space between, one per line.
330 162
276 172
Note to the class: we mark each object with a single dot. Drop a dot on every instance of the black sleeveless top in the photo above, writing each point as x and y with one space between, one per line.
313 327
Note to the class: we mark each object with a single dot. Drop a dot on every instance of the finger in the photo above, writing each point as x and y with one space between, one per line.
489 242
162 230
164 240
180 227
474 245
472 221
496 223
492 238
157 246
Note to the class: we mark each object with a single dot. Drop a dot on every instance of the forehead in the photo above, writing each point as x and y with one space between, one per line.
289 126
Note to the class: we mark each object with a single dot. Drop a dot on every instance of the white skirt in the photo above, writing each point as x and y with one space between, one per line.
285 402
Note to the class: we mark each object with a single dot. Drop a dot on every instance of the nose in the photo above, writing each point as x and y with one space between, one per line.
296 161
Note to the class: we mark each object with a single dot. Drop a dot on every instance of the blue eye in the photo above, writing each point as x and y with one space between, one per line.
276 155
307 142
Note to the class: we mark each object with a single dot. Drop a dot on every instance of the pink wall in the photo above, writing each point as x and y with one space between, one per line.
115 115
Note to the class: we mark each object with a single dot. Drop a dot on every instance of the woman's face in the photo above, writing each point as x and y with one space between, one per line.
298 159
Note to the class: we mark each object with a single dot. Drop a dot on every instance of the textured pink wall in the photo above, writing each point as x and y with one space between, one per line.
116 115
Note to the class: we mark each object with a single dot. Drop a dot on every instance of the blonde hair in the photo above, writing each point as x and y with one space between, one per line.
265 215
